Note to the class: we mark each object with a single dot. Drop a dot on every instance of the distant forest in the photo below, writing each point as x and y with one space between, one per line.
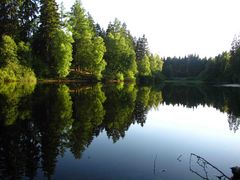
223 68
41 40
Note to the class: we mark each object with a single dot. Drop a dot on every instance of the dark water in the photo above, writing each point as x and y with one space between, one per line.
118 132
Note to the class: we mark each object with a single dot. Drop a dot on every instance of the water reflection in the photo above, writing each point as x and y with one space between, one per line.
37 126
234 122
88 116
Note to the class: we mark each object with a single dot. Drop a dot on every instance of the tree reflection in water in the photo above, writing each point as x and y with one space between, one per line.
234 122
37 126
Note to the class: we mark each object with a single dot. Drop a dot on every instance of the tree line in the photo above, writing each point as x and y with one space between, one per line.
39 37
221 68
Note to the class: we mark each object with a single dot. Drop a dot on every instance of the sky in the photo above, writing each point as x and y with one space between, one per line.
173 27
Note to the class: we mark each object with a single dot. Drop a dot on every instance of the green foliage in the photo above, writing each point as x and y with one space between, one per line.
18 18
221 68
119 107
53 49
11 69
88 49
156 63
141 48
8 51
144 67
43 39
89 114
42 126
52 45
28 10
141 105
24 53
98 63
235 60
49 19
149 66
62 111
11 97
120 55
16 90
188 66
62 53
99 31
155 98
17 72
54 105
9 18
62 15
217 69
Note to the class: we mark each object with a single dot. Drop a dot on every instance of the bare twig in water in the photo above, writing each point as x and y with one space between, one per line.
204 163
154 165
179 158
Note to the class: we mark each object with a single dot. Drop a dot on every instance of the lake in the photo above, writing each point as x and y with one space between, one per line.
118 131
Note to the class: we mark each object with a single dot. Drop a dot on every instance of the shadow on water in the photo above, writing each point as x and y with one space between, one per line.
37 125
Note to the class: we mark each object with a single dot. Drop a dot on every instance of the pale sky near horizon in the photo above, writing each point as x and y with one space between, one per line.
172 27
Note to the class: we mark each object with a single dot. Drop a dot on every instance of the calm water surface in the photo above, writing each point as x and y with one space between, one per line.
118 132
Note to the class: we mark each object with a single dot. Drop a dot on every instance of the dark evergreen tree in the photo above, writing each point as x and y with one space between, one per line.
141 48
9 18
235 59
184 67
49 24
28 14
100 31
62 14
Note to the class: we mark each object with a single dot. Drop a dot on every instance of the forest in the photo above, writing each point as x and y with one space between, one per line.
223 68
40 40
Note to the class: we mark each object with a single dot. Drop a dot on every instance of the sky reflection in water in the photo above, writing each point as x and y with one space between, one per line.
118 132
169 136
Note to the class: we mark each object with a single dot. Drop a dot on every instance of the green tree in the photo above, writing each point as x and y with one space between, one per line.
28 14
49 24
100 31
10 67
141 48
217 69
62 53
9 18
8 50
156 63
184 67
18 18
63 14
144 67
24 53
120 55
88 49
235 59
